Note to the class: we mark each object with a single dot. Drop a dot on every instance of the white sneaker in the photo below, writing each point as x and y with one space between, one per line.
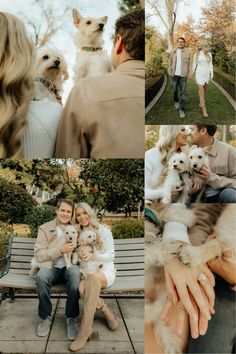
44 327
181 114
177 105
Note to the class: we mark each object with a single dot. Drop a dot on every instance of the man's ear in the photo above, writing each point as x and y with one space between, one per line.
119 45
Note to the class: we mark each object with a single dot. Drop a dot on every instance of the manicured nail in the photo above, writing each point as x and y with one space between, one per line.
202 331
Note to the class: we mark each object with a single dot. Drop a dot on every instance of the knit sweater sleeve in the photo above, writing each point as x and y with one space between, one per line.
108 253
152 168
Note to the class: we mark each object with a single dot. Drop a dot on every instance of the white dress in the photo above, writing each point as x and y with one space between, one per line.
106 255
43 123
203 66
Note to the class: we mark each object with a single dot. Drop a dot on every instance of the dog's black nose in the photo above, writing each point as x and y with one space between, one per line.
57 62
175 166
101 25
195 165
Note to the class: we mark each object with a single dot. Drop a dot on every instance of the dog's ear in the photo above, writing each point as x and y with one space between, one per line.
76 17
66 75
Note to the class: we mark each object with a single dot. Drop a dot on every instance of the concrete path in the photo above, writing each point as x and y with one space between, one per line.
18 321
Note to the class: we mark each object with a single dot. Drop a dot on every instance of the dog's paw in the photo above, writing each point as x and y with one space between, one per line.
190 255
166 200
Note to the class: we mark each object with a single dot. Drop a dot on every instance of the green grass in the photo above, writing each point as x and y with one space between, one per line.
219 109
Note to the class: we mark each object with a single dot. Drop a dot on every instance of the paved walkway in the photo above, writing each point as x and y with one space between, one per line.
18 321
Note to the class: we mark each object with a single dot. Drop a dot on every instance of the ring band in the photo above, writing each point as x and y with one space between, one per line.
202 277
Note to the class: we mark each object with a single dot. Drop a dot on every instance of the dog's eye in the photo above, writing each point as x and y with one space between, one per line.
181 161
191 157
88 22
199 156
45 57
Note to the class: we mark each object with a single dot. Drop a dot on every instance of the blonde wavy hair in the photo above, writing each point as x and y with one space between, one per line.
93 222
167 141
204 46
17 58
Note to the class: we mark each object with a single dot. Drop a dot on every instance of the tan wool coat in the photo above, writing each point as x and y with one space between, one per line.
104 115
186 62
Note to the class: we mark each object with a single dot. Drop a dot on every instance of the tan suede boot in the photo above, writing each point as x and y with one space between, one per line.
203 104
112 322
91 296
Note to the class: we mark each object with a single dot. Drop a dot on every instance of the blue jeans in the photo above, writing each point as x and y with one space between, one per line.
46 278
178 81
226 195
220 336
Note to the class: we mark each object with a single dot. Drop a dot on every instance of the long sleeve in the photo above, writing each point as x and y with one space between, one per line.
108 253
153 168
211 66
194 62
42 251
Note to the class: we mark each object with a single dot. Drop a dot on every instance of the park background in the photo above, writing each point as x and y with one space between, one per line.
165 22
30 189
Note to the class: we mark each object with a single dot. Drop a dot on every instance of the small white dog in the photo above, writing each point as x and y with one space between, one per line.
70 234
178 178
91 59
50 74
88 241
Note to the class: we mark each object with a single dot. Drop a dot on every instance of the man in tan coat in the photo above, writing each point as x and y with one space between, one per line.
180 68
221 176
104 114
48 276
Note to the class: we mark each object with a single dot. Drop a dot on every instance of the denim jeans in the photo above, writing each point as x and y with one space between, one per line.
179 82
46 278
220 336
226 195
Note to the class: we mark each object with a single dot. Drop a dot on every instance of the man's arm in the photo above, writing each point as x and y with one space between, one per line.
72 140
42 252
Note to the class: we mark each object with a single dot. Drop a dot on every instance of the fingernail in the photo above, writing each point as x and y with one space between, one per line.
202 331
195 335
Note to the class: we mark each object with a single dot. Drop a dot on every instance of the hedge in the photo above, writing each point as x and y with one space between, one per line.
128 228
152 87
39 215
226 81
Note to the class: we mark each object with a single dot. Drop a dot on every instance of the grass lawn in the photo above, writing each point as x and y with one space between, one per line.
219 109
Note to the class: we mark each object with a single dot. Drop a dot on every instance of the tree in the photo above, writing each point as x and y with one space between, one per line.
126 6
188 30
166 15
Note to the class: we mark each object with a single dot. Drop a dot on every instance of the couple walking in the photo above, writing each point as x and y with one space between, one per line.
181 68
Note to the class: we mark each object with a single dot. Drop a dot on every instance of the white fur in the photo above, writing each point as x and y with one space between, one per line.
51 66
178 164
89 34
87 242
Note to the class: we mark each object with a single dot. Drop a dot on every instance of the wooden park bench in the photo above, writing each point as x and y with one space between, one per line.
129 264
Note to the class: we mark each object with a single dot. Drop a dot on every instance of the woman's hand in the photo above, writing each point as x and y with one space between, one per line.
183 281
85 257
224 268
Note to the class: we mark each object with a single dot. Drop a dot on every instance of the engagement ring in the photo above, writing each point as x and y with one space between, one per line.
202 277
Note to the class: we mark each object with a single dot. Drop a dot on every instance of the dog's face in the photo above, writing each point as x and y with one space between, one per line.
179 162
87 236
198 158
71 234
90 29
51 65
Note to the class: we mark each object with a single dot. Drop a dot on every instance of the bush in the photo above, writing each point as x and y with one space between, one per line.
38 216
226 81
16 202
128 228
5 231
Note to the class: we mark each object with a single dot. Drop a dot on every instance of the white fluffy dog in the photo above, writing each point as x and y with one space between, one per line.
178 178
50 74
70 234
88 241
91 59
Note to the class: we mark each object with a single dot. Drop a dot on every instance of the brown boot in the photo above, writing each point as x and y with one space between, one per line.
202 103
109 315
91 296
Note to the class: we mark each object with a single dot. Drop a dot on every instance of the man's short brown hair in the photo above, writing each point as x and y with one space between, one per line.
66 201
211 129
131 29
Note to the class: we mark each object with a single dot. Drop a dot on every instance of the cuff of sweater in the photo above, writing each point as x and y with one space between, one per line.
175 231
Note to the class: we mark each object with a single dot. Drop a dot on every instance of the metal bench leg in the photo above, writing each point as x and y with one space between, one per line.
8 293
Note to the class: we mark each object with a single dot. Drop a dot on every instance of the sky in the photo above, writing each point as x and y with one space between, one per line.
185 9
63 39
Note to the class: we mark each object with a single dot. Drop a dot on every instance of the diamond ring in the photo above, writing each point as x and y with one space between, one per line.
202 277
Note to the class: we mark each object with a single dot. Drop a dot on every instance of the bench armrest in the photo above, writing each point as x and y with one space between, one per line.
6 258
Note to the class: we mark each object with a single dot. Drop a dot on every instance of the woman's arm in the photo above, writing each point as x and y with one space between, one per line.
108 246
153 167
211 67
194 62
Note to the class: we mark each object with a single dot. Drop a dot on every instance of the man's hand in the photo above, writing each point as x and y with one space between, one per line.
67 247
224 268
196 187
190 77
206 173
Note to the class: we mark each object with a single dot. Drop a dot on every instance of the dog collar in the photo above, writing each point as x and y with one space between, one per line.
49 86
91 49
148 213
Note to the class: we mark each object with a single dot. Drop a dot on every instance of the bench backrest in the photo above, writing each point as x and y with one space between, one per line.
129 260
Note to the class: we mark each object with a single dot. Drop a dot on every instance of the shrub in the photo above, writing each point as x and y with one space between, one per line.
38 216
5 231
226 81
128 228
16 202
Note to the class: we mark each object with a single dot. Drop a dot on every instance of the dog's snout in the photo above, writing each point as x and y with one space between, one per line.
101 25
195 165
175 166
57 62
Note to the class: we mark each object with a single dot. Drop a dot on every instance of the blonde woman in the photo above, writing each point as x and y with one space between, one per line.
172 138
27 128
202 65
90 287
